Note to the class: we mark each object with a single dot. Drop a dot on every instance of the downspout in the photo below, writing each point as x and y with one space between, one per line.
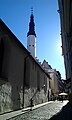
24 79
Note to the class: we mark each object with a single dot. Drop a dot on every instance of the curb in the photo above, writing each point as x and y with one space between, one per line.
22 111
40 105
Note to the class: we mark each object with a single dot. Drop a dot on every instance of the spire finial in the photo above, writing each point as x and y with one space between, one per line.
31 10
31 24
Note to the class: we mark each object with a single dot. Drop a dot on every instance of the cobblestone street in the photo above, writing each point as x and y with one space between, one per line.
42 113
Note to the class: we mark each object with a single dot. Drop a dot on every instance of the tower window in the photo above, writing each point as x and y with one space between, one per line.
33 45
29 45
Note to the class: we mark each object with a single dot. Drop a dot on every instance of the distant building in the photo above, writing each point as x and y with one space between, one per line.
60 82
45 65
55 82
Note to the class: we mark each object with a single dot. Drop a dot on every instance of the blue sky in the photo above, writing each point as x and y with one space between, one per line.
16 15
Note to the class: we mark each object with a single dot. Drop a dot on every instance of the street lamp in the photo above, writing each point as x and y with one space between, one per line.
43 86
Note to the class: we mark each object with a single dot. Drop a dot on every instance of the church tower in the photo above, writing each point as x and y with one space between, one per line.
31 36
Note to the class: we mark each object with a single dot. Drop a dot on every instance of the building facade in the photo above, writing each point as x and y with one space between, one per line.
55 81
60 83
21 76
65 11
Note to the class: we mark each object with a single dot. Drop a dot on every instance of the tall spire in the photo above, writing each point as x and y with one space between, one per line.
31 25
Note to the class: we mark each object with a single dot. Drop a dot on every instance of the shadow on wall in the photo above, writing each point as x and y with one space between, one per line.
9 92
9 97
5 96
2 81
15 97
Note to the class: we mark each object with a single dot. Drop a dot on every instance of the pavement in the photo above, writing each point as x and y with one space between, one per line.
64 114
9 115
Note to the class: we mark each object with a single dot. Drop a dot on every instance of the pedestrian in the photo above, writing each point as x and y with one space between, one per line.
62 98
65 113
31 103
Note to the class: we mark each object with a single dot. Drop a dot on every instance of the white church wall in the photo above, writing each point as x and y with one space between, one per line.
31 45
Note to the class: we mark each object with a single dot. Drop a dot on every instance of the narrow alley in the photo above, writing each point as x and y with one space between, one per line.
42 113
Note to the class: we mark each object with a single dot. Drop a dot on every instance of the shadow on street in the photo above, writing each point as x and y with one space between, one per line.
64 114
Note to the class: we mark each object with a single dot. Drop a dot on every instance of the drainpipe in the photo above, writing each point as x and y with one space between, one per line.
24 79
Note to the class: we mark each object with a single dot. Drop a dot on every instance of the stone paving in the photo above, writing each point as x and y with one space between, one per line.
22 111
42 113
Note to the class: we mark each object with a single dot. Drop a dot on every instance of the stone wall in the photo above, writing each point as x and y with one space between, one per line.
6 103
38 98
5 97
